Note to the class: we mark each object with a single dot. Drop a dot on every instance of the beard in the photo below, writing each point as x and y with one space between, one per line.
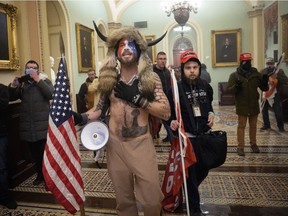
189 81
127 62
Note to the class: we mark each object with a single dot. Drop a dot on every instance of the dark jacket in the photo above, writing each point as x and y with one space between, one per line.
35 102
4 101
281 77
165 78
204 96
247 96
84 88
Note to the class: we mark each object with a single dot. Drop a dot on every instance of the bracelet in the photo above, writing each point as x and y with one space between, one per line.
144 103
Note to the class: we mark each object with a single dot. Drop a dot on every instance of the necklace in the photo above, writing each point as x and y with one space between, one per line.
129 82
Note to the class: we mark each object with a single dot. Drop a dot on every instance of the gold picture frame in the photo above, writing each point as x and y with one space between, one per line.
8 58
226 47
85 48
151 49
285 37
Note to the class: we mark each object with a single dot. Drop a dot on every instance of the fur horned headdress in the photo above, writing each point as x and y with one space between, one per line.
109 71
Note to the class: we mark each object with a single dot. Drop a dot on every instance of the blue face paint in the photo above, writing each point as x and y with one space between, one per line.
127 45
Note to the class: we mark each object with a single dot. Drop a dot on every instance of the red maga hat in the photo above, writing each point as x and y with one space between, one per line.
245 56
189 54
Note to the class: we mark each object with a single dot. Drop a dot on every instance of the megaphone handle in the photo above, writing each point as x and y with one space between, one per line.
103 156
98 165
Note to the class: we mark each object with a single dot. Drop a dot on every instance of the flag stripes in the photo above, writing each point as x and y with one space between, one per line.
61 160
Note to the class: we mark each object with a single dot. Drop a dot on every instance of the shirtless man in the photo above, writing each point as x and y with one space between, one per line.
134 93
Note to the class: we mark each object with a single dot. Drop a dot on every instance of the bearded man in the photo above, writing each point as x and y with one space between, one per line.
134 93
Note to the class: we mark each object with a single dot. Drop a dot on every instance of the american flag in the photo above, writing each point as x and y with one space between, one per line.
181 156
61 160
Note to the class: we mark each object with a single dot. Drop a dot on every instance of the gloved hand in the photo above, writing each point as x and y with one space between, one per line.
270 71
238 85
79 118
131 94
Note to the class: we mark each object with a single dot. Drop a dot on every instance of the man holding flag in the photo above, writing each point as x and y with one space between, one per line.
61 162
195 101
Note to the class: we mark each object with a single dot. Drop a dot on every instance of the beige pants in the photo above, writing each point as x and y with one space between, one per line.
133 169
242 120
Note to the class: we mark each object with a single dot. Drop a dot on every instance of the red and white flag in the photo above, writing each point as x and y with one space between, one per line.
181 156
61 160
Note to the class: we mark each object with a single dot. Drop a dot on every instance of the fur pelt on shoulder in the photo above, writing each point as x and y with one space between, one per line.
109 70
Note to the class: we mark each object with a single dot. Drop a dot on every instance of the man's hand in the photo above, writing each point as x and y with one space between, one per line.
270 71
34 75
129 93
79 118
15 82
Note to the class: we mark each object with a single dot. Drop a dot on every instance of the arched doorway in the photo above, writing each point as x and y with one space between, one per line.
179 46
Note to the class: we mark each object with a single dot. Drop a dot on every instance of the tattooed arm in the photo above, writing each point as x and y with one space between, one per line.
160 107
95 112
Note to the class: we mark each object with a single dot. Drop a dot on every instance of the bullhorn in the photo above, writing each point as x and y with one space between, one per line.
94 135
150 43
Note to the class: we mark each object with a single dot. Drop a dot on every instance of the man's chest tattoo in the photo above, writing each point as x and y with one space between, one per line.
135 130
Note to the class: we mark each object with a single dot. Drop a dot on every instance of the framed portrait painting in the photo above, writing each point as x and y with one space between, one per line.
8 58
152 49
226 47
85 48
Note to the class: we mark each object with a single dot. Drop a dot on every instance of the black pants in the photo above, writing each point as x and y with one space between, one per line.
197 173
37 151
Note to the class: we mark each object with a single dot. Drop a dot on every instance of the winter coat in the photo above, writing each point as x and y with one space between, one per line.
165 77
247 95
204 97
34 112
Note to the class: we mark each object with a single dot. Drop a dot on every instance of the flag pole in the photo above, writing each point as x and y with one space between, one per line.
184 172
179 118
62 54
82 210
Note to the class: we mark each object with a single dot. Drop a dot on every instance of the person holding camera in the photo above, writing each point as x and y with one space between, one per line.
244 83
35 91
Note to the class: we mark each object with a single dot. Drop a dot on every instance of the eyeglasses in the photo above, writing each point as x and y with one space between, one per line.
34 68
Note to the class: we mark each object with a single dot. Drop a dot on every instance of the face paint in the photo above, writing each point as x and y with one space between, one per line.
127 47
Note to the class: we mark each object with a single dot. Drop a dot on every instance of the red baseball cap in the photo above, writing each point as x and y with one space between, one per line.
245 56
189 54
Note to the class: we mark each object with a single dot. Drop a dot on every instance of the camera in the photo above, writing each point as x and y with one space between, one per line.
24 78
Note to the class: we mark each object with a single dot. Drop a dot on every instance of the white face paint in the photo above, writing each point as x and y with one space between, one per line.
127 51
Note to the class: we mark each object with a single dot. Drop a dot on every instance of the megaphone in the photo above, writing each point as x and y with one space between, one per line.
94 135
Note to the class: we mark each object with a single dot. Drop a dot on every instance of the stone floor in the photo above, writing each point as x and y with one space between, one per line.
254 185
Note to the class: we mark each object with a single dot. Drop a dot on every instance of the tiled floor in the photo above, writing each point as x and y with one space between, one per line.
254 185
